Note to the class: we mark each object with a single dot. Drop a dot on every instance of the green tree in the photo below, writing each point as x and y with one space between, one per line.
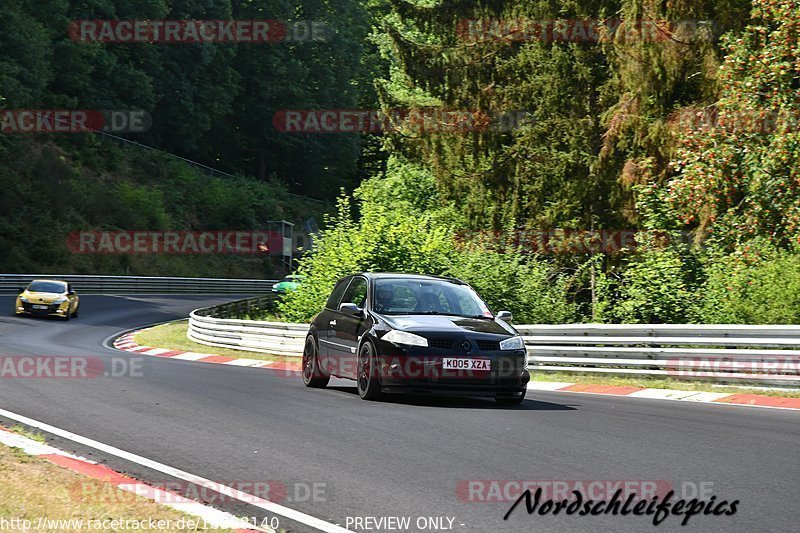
736 171
401 228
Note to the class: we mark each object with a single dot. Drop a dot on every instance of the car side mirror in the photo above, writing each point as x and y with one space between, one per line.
20 290
71 293
505 316
350 309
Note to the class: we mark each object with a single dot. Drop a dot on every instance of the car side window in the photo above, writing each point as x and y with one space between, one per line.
336 295
356 292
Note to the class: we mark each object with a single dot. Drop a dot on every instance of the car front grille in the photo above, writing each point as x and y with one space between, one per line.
28 307
442 344
446 344
487 346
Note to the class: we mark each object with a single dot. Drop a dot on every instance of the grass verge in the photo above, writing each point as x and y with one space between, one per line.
658 383
33 435
34 488
172 336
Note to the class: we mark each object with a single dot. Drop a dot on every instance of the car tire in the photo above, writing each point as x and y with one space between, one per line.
68 315
75 313
510 400
369 387
313 376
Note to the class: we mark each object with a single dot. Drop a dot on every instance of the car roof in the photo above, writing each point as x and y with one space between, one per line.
51 280
390 275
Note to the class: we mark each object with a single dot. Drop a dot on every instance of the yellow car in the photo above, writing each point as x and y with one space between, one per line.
48 297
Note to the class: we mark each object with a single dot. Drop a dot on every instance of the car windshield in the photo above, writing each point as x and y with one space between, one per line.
399 296
47 286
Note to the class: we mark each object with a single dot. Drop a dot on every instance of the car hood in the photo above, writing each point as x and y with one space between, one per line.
452 324
42 297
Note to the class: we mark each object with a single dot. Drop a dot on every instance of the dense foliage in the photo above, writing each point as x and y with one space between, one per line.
678 118
685 133
402 229
213 103
737 169
51 191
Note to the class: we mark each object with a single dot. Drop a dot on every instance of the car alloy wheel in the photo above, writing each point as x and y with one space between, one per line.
312 374
369 388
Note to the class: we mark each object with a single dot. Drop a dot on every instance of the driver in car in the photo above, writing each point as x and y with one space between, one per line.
383 299
429 302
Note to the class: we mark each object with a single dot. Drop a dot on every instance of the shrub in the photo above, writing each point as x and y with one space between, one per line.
399 231
654 286
529 288
757 284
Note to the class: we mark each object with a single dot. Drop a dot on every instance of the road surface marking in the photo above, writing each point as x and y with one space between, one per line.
255 501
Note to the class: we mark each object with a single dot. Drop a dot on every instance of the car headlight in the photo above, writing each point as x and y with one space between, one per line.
23 299
60 300
512 343
404 337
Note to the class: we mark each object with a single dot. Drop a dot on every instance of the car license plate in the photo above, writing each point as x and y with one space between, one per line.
482 365
40 307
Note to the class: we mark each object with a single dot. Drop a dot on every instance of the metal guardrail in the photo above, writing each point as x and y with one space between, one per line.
723 353
720 353
87 284
213 326
240 308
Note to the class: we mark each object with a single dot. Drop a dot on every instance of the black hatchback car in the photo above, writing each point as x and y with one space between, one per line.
415 334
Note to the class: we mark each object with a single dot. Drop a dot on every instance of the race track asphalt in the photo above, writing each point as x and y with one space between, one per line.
405 457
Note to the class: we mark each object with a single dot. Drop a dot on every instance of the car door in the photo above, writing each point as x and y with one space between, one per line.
325 321
346 328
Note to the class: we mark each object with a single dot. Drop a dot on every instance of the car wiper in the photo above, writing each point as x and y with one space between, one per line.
481 316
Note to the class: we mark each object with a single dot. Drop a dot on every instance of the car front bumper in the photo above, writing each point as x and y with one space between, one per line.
445 389
28 308
425 374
